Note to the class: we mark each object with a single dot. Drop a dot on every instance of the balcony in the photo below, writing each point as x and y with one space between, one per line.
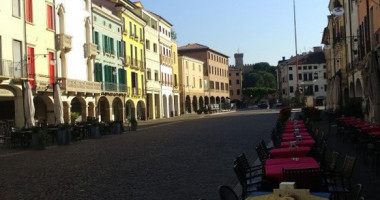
12 70
114 87
165 60
43 82
90 50
64 42
71 85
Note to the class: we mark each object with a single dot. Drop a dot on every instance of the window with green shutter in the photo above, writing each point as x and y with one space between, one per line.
96 39
112 50
98 72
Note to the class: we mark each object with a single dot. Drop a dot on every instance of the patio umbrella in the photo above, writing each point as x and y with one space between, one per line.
336 93
374 87
329 94
28 105
58 106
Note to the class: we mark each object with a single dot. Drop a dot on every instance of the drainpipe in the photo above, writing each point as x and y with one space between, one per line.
22 65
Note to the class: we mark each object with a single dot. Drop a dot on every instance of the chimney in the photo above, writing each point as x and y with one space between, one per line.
283 58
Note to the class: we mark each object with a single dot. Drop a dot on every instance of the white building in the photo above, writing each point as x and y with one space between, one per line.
308 74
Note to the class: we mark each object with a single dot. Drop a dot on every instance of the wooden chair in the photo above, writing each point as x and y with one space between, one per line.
305 178
226 193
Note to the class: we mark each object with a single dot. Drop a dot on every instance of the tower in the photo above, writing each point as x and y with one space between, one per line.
239 60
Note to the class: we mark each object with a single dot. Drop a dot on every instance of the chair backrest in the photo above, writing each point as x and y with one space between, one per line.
226 193
305 178
333 160
348 166
3 128
263 154
355 192
243 161
264 146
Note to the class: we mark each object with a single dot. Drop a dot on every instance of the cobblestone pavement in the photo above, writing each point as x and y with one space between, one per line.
185 159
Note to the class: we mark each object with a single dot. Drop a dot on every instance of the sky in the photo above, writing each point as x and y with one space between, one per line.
261 29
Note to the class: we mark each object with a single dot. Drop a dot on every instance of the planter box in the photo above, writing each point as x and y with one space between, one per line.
95 132
63 137
37 143
116 128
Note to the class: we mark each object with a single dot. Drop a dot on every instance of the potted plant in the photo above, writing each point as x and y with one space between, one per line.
94 127
133 124
63 134
74 116
39 137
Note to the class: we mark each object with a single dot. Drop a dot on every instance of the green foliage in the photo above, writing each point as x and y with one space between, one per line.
262 75
257 93
74 115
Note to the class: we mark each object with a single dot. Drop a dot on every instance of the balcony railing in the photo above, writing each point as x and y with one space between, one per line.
114 87
71 85
10 69
90 50
64 42
166 60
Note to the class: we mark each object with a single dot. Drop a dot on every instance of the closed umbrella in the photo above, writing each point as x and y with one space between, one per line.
58 106
336 93
374 87
28 105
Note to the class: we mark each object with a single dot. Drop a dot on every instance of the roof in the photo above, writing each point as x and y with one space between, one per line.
197 47
107 4
310 58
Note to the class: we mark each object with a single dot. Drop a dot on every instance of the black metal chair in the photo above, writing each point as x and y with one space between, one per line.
248 168
226 193
262 153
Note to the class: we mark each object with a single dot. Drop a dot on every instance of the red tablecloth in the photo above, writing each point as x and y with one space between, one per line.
288 152
303 143
292 134
292 126
375 133
291 130
273 167
292 138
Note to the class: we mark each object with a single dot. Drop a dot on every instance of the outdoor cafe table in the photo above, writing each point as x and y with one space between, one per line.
292 134
289 153
293 138
273 167
291 130
270 196
375 133
303 143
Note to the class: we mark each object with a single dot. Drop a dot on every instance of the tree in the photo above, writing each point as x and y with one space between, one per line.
174 35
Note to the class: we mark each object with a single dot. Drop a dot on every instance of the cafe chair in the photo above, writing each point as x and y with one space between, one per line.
248 169
226 193
262 153
332 163
339 182
305 178
356 192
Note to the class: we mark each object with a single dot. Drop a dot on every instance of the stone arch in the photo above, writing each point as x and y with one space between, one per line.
165 105
130 109
358 88
78 105
188 104
217 100
207 101
141 110
195 103
212 100
201 103
104 109
11 102
44 109
352 89
117 109
171 106
91 108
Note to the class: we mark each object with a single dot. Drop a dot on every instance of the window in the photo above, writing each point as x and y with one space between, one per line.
299 68
49 10
315 75
193 82
325 88
305 77
290 77
300 76
324 75
156 75
226 86
238 91
29 11
315 67
31 64
304 67
154 47
231 92
324 66
148 75
131 51
222 86
200 83
237 81
229 74
134 30
120 49
230 82
310 76
291 89
217 85
187 80
51 68
211 84
316 88
98 72
130 28
310 67
147 44
16 8
96 39
175 80
237 74
290 68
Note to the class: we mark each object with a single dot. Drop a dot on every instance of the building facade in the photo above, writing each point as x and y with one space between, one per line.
215 69
109 63
75 58
191 84
236 84
307 73
176 89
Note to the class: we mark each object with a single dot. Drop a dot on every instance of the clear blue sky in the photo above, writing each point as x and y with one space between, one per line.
261 29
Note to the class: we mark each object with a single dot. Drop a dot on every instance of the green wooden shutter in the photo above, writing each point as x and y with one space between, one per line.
111 46
96 38
104 43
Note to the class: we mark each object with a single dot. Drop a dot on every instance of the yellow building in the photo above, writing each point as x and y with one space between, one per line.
133 36
175 78
40 50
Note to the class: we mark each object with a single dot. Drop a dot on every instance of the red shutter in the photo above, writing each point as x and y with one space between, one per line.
31 67
49 17
51 68
29 10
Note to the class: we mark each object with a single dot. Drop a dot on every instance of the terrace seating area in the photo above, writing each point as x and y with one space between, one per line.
63 134
331 159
